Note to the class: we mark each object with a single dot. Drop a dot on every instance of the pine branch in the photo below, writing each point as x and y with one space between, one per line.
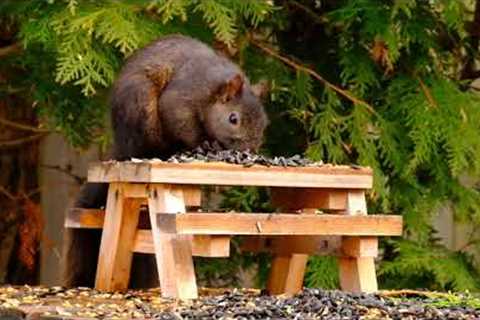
313 73
22 126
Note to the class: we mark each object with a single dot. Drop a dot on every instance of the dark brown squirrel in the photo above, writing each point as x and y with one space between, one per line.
171 95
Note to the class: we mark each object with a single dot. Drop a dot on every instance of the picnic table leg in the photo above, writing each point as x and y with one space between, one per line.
286 274
357 274
173 252
287 271
119 228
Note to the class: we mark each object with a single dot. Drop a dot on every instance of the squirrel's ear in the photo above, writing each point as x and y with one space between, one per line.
232 88
261 89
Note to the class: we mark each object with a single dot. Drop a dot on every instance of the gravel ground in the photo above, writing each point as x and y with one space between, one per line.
82 303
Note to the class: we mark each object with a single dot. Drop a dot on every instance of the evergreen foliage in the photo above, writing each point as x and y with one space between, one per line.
379 83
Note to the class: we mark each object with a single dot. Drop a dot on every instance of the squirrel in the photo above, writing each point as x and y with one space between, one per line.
172 95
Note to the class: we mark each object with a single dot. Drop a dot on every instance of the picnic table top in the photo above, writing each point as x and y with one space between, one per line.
220 173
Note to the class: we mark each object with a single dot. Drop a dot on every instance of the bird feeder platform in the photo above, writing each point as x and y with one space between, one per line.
342 228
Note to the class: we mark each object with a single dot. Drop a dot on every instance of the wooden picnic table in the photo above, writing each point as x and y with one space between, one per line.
342 229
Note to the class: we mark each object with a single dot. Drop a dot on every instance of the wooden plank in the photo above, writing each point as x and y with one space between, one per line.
136 190
358 274
93 218
327 176
280 224
192 195
211 246
173 252
359 247
300 198
84 218
202 246
295 274
143 242
280 269
286 274
356 203
115 257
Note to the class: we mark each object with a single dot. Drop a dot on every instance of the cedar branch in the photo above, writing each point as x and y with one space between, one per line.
21 141
21 126
427 93
313 73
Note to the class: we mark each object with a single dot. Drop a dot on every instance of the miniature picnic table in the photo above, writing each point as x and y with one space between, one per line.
345 230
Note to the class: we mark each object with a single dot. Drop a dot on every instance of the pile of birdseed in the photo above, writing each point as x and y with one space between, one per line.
319 304
213 152
82 303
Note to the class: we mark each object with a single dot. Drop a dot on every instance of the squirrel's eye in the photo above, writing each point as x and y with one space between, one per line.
233 118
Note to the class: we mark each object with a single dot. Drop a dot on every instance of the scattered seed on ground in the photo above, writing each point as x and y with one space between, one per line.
84 303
